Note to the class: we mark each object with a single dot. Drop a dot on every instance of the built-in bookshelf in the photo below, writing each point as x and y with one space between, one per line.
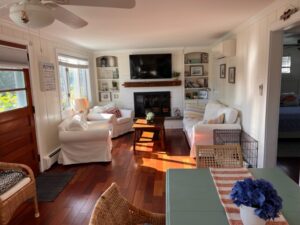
107 78
196 69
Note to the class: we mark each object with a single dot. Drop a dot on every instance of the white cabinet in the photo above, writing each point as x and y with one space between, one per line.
225 49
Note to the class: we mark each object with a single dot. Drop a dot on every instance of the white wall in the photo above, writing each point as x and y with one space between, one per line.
47 104
251 63
126 94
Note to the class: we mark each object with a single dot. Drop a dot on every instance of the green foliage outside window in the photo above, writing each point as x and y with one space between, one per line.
8 101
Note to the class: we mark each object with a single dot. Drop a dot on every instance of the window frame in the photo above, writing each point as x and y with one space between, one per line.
25 88
286 67
59 52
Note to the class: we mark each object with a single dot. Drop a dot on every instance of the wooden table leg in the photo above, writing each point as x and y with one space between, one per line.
162 138
134 140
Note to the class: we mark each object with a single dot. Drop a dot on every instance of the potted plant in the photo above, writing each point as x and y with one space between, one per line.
150 117
257 199
176 75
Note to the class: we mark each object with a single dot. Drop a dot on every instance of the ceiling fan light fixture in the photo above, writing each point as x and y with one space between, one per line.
31 15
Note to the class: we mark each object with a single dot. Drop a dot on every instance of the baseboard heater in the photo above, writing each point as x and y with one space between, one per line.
51 158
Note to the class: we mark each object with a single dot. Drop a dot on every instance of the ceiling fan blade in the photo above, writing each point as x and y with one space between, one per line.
65 16
125 4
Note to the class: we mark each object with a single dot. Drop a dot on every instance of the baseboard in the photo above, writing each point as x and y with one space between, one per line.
50 159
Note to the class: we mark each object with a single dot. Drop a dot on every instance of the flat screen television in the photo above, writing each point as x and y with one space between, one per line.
151 66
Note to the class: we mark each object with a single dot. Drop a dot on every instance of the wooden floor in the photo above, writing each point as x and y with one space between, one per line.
140 176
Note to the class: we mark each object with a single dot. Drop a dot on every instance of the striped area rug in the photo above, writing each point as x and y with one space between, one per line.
224 179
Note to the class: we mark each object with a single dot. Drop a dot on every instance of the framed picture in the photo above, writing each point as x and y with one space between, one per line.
231 75
176 112
223 71
115 96
104 85
197 70
203 94
105 97
204 57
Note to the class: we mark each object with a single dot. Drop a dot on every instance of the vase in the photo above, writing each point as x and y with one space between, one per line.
248 216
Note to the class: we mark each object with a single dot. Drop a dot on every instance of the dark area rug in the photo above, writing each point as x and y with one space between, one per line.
49 185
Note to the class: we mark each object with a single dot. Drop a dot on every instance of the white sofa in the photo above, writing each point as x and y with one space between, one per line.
83 142
198 132
119 126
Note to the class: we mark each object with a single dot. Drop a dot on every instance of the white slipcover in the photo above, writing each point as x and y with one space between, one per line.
92 144
198 132
119 125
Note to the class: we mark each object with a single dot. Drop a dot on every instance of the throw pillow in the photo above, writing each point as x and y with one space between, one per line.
114 111
289 99
218 120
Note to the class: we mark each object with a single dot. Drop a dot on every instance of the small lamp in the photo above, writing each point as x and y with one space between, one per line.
81 104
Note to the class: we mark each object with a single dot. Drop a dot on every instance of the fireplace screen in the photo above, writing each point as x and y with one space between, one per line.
156 102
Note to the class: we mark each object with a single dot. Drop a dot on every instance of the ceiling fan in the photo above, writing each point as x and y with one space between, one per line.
41 13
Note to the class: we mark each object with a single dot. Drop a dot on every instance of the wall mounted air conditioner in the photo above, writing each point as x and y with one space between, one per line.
225 49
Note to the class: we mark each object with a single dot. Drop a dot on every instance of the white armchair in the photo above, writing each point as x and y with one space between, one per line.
119 126
92 143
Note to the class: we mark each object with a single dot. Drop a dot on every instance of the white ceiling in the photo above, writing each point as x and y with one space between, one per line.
157 23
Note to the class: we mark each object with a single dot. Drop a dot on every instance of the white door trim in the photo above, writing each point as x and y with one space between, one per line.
273 88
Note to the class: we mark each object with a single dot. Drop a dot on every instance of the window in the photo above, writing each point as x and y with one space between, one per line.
73 75
12 90
286 65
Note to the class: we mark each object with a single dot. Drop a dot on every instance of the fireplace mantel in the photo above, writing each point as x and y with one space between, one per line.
163 83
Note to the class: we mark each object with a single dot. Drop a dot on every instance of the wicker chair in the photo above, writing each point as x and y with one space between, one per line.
219 156
113 209
10 205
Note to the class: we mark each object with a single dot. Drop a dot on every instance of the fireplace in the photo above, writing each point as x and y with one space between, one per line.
157 102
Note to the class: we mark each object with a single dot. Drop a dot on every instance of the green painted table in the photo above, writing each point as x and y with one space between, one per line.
192 199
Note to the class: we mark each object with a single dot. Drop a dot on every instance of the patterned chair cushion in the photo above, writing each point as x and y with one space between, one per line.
9 178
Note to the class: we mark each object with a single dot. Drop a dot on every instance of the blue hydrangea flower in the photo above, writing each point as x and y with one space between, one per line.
259 194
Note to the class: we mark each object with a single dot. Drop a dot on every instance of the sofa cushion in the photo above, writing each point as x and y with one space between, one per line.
77 124
15 188
123 120
217 120
230 114
212 110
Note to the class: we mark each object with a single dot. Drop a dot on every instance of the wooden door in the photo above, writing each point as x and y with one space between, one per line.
17 128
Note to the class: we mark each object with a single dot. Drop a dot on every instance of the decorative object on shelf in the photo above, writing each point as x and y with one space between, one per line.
176 112
203 94
204 57
231 75
257 199
176 75
150 117
115 85
104 85
197 70
105 96
116 74
287 14
223 71
115 96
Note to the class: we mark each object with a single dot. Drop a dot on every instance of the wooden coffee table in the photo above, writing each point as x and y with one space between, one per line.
141 126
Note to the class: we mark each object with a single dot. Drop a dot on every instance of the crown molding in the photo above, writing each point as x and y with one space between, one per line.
260 15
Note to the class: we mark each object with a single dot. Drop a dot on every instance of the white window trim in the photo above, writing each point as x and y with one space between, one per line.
58 52
290 67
